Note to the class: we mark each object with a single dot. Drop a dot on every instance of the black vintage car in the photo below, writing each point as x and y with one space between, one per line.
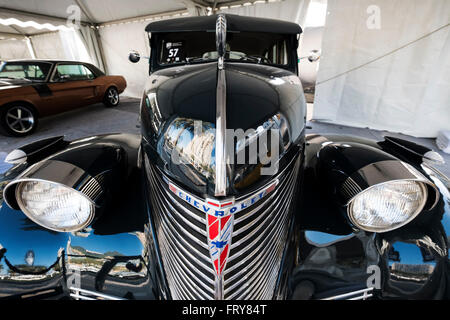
224 195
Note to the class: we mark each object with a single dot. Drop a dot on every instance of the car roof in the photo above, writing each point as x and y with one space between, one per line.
46 60
92 67
235 23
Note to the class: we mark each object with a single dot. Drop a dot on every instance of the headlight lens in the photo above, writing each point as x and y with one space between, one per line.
54 206
387 206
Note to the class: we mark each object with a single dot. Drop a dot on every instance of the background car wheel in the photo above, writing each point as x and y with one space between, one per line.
111 97
18 120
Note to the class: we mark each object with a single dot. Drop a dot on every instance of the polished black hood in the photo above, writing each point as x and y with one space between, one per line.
178 100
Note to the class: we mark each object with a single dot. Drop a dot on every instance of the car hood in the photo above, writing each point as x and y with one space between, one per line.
254 92
180 100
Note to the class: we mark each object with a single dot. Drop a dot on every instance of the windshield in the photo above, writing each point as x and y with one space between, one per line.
253 47
34 71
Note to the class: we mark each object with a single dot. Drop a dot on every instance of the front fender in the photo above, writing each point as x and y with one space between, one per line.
335 259
110 257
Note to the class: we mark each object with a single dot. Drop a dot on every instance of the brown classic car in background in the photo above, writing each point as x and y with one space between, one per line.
32 89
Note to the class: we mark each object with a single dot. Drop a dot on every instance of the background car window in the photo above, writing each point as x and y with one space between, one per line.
72 72
25 70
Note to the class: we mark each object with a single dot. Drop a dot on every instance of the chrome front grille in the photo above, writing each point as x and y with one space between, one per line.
257 242
183 242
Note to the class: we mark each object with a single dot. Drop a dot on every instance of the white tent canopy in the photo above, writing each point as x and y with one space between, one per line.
385 64
109 29
391 74
118 39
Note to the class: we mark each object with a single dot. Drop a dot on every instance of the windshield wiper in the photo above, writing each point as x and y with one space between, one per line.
258 59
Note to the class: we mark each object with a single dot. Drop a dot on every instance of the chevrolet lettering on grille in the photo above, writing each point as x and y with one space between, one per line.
219 217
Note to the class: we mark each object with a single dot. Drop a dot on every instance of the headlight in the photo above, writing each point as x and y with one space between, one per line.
387 206
54 206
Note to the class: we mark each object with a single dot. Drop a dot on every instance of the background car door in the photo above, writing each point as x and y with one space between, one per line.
73 85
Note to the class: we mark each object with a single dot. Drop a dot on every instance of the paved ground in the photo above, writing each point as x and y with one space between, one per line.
97 119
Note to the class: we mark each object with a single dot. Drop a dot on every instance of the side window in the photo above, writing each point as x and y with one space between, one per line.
34 72
278 53
71 72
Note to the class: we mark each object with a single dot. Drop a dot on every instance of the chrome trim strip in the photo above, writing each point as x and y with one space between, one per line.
353 295
221 107
78 294
221 156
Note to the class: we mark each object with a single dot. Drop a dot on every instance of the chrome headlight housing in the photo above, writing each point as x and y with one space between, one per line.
56 195
54 206
387 206
387 195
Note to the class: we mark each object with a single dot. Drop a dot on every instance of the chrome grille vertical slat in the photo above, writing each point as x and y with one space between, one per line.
174 239
257 262
265 267
187 267
263 246
184 278
257 242
173 221
182 260
254 241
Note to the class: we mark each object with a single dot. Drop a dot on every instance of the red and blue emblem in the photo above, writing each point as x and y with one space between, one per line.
220 218
219 240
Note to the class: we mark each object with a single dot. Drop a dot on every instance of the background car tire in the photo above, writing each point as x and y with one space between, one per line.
18 119
111 98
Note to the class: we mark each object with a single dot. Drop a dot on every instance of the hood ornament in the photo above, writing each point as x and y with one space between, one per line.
221 38
221 108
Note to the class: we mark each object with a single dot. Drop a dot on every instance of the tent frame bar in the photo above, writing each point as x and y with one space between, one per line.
144 17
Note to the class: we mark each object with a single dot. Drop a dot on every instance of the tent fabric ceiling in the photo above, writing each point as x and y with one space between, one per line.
99 10
92 11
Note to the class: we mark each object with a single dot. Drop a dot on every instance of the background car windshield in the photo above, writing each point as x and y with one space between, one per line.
191 47
31 71
72 72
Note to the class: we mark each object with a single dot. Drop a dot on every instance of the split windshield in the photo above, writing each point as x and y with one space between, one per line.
193 47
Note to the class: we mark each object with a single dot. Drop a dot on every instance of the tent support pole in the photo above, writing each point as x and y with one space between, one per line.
31 48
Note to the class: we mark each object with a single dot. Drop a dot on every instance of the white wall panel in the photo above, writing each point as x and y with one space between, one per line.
364 81
14 49
117 41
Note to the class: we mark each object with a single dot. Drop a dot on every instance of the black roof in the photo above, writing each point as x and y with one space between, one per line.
93 68
234 23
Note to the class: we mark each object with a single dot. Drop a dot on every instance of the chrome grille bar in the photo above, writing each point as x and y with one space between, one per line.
184 249
255 258
257 242
362 294
83 294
